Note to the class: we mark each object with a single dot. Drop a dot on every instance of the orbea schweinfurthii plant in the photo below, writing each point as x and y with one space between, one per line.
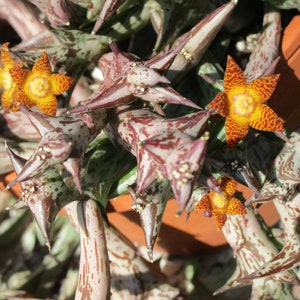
123 132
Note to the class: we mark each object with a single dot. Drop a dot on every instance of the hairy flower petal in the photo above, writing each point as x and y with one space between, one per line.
6 59
235 207
18 74
48 105
42 65
234 75
7 101
220 220
60 83
236 130
263 87
228 185
264 118
219 104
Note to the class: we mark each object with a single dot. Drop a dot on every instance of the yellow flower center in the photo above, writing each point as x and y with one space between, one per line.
243 104
7 81
218 201
39 86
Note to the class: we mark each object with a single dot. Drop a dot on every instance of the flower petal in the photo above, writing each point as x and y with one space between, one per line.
204 204
264 118
43 64
19 97
219 104
7 100
60 83
234 75
6 58
48 105
228 186
18 74
236 130
220 220
263 88
235 207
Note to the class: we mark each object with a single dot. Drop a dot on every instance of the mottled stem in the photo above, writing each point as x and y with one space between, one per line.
94 274
131 277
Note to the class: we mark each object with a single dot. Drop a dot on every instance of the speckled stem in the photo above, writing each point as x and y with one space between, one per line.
94 274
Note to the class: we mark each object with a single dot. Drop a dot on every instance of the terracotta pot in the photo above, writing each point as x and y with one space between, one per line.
285 100
5 180
177 237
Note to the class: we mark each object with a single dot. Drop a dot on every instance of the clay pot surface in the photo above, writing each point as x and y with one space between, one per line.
286 98
177 237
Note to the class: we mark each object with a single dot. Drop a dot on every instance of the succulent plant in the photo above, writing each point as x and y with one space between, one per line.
144 127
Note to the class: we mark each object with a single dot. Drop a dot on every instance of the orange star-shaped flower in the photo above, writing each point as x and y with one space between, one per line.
242 104
39 86
6 81
219 205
